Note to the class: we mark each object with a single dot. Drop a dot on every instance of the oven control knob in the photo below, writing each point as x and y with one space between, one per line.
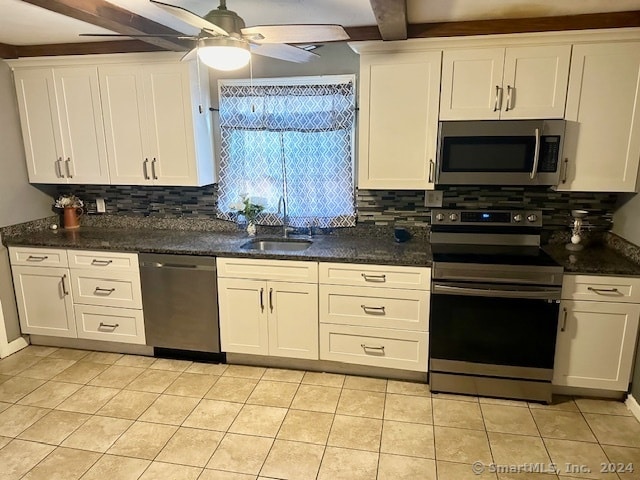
517 218
532 217
453 217
440 217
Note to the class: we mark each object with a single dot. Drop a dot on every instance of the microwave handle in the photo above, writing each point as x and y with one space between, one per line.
536 156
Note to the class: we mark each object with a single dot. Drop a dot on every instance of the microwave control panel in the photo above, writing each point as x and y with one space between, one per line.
549 153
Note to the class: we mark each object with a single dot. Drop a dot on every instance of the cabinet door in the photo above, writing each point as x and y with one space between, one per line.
82 129
243 316
45 305
602 141
121 89
168 111
36 95
293 320
398 120
596 344
535 82
472 84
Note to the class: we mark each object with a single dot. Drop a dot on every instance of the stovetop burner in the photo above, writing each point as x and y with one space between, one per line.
492 255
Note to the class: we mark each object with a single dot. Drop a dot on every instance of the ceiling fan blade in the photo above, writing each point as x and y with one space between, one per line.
295 33
283 51
139 35
190 17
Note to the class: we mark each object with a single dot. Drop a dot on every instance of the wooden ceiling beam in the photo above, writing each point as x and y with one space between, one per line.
391 17
8 51
112 17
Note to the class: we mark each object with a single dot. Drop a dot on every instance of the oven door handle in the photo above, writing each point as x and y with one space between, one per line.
496 291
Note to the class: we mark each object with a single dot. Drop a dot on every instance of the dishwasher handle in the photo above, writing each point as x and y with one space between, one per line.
177 262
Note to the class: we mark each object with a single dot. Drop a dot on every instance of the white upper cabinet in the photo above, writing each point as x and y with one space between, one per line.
62 125
499 83
602 140
399 96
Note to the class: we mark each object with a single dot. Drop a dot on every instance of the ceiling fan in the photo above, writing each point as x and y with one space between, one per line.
225 43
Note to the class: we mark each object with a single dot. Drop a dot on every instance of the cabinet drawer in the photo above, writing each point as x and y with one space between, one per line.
283 270
102 260
110 324
375 307
110 289
604 289
378 347
389 276
42 257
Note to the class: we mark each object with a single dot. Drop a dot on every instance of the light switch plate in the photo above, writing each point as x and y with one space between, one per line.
100 205
433 198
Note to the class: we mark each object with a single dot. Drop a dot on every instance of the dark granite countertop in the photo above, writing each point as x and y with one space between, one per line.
600 259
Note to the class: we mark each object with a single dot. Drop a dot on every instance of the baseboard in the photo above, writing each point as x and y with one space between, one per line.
633 405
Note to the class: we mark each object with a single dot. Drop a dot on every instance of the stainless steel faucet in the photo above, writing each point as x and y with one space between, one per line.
282 209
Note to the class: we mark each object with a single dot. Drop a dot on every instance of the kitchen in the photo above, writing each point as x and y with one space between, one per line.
382 205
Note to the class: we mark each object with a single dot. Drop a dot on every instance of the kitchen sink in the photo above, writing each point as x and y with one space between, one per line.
281 244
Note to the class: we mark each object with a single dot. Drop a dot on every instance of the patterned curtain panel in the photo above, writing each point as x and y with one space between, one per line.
298 135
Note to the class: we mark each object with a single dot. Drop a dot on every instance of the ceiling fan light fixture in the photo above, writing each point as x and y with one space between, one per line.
224 53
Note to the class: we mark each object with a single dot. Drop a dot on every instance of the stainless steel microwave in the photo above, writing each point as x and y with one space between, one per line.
500 152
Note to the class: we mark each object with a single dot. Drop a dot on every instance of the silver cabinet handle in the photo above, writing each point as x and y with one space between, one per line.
566 169
498 103
153 169
261 300
145 170
564 320
107 325
64 285
59 167
431 169
104 291
536 156
271 299
34 258
67 168
379 349
102 263
373 310
374 278
601 291
509 98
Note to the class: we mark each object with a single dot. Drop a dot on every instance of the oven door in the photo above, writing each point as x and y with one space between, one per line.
493 330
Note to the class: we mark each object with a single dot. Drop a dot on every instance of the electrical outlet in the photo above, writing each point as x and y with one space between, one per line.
100 205
433 198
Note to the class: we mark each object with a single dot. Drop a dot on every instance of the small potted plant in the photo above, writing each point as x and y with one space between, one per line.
249 210
72 210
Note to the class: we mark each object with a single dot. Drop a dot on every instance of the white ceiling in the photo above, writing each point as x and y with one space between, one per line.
25 24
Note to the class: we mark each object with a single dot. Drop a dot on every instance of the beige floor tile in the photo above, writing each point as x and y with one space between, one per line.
216 369
452 413
304 426
213 415
355 432
4 406
509 449
54 427
508 419
63 464
455 396
191 446
241 454
102 357
232 389
69 354
16 388
464 471
365 383
396 467
532 476
408 408
4 441
571 452
293 460
47 368
81 372
503 401
559 402
191 385
97 434
169 410
273 394
412 439
323 379
116 376
566 425
143 440
221 475
316 398
154 381
169 471
461 445
258 420
361 403
135 361
170 364
615 430
16 363
17 418
113 467
4 378
283 375
345 464
88 399
50 395
244 371
625 458
606 407
408 388
40 350
20 456
128 404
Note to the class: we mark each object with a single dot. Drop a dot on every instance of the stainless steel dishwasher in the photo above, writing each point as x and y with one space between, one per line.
180 302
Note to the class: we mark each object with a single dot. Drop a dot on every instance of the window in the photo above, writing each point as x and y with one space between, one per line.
291 138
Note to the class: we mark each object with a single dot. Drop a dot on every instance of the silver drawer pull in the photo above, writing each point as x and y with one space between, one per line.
373 310
374 278
103 263
106 325
104 291
372 349
34 258
601 291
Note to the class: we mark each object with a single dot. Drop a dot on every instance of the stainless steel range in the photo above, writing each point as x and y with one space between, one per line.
494 305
